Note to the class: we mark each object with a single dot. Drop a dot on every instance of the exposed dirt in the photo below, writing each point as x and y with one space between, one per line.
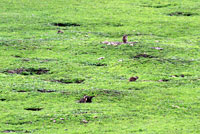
124 41
28 71
117 43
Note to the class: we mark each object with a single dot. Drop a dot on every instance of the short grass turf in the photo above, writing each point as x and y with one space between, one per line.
43 74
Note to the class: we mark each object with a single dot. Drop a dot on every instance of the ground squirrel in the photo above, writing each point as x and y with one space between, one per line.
86 99
124 39
133 78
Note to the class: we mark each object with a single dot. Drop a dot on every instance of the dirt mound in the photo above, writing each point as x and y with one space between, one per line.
28 71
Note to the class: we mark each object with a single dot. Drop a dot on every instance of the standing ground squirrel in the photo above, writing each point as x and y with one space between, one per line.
124 39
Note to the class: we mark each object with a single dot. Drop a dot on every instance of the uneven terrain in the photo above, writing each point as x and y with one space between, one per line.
44 73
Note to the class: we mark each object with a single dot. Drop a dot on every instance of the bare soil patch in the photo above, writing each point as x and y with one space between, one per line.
28 71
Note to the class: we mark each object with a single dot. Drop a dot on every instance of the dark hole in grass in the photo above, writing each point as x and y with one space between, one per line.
17 56
181 14
69 81
160 6
28 71
2 99
33 109
26 122
66 24
163 80
99 64
45 91
144 56
21 91
96 64
178 75
134 89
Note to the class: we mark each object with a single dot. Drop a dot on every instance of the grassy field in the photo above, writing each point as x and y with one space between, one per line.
44 73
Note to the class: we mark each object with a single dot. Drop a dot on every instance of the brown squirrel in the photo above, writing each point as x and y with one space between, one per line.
86 99
89 99
83 100
124 39
133 78
60 32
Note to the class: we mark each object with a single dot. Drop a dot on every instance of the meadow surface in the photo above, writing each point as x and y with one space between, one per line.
43 73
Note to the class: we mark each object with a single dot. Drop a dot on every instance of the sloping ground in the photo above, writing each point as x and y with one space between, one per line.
44 72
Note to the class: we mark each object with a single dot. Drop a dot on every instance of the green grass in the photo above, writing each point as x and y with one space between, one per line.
29 40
